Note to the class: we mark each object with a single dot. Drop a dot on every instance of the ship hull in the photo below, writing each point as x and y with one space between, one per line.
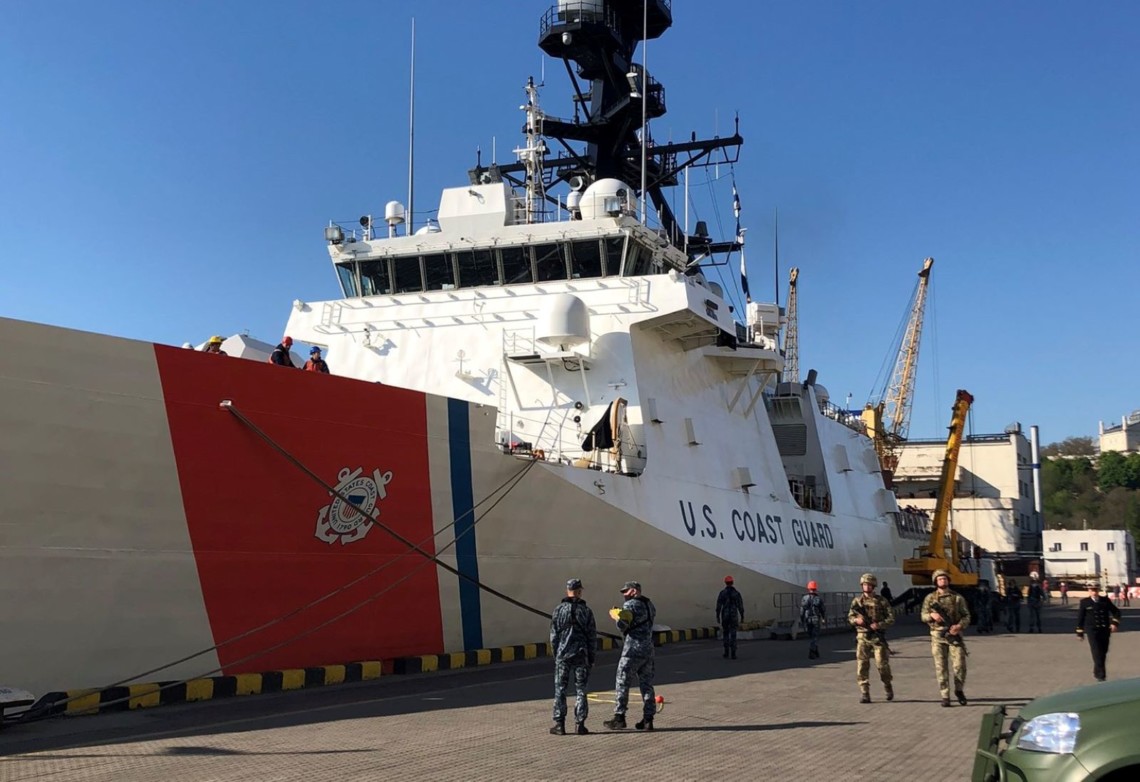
161 503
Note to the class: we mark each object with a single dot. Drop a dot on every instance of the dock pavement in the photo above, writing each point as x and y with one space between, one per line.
771 714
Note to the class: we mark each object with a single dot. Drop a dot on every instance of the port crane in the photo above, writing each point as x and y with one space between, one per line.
888 422
942 551
792 333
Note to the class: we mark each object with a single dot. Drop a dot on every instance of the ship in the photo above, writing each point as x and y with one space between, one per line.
541 383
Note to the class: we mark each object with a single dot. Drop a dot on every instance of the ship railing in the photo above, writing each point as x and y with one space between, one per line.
577 12
849 418
835 607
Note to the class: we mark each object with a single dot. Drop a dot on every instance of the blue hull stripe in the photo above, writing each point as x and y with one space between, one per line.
462 502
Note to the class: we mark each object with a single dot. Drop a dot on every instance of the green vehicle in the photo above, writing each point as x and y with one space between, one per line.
1082 734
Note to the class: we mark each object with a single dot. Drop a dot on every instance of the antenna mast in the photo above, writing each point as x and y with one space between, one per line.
412 135
533 155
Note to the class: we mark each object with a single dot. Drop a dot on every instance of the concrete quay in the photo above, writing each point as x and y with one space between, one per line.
771 713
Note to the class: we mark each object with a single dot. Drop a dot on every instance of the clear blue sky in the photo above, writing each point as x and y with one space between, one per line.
166 169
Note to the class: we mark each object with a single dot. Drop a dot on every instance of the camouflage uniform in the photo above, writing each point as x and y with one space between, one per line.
870 643
729 614
952 606
636 656
574 640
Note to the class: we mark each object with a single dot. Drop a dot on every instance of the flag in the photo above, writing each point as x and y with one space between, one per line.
743 269
740 241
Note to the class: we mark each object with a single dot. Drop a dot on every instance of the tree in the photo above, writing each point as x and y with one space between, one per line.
1070 446
1115 470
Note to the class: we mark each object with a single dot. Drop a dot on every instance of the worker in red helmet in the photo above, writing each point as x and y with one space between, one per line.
281 355
729 615
813 614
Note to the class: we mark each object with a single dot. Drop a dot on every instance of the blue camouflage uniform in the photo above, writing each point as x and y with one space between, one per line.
574 641
729 615
636 656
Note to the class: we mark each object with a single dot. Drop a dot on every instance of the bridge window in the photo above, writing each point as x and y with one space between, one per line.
477 268
638 260
614 248
587 261
348 282
409 276
550 262
375 278
516 265
438 272
1084 547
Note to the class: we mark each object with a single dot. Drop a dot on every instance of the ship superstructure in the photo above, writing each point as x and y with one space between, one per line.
589 331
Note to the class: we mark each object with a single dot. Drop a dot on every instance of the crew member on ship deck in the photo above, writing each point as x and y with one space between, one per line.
315 362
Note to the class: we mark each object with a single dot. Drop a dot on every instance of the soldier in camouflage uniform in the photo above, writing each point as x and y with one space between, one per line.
948 615
635 620
729 615
871 615
574 641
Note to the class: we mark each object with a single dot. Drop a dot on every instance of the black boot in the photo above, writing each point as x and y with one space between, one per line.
890 692
645 724
558 729
734 653
946 702
726 652
866 697
581 730
617 723
961 697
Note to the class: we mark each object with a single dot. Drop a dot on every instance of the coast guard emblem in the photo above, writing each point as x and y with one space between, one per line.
341 521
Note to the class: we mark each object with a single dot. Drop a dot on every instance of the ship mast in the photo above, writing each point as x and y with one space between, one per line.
596 42
533 156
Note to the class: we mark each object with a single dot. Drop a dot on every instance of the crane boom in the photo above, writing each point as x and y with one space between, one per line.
934 556
888 422
792 335
900 394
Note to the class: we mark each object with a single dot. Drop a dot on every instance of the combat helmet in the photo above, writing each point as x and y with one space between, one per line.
938 573
868 578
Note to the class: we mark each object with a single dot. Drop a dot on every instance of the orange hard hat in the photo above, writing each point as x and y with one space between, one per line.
813 585
728 579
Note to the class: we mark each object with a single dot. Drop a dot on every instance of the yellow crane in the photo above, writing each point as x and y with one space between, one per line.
792 333
942 551
889 421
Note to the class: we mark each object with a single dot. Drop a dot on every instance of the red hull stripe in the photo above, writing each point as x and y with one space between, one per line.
268 540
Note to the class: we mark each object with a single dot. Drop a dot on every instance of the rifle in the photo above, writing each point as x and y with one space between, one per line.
953 640
880 634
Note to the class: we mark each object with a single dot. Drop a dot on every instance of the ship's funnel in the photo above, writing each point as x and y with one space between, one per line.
563 321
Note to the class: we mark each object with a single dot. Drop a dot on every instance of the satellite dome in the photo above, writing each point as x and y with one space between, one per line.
563 321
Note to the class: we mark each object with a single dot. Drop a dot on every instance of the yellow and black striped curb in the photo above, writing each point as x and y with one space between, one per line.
142 696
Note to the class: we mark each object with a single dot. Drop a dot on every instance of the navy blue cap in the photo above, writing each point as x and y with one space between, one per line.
574 583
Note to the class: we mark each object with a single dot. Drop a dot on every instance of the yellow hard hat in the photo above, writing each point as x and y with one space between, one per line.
216 340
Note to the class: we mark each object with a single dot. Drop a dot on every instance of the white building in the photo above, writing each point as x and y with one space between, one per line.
993 496
1107 554
1123 437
